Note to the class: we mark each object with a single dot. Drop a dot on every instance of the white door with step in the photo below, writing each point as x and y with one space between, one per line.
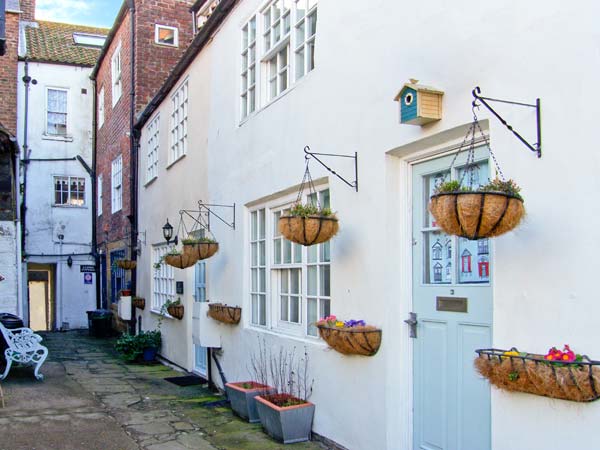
452 307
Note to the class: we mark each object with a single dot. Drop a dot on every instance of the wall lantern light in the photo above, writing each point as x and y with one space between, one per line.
69 261
168 233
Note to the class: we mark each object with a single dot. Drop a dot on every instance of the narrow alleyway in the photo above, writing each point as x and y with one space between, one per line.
92 400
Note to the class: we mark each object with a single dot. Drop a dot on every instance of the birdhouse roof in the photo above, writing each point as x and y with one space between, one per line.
418 88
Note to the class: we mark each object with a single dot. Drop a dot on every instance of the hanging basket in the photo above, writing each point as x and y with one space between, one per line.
180 261
176 311
201 250
363 341
139 302
308 230
477 214
577 381
224 313
126 264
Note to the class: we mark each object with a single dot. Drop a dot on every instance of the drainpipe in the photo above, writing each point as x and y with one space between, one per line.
133 162
95 198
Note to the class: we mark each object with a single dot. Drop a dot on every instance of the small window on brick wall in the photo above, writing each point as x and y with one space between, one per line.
165 35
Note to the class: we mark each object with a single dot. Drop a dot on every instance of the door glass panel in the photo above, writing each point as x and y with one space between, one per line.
474 261
438 258
431 182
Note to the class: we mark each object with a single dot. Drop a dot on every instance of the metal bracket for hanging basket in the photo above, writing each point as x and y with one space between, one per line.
353 184
536 147
206 210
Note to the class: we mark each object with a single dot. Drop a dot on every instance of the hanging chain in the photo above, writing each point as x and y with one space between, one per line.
308 181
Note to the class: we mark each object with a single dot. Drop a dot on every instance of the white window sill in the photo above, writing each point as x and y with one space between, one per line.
162 44
172 163
116 211
312 340
150 181
70 206
158 313
55 137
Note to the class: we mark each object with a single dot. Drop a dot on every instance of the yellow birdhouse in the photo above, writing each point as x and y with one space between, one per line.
419 104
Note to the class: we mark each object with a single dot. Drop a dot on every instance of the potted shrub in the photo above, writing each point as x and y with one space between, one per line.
558 374
179 260
352 337
201 248
126 264
484 212
174 308
241 394
308 224
287 415
224 313
139 302
144 346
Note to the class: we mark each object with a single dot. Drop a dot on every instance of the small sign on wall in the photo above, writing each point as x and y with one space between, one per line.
87 278
87 268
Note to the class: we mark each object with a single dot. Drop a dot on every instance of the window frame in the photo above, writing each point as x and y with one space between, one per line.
101 111
178 145
47 110
115 187
116 75
157 28
99 193
163 279
152 148
248 89
276 268
70 179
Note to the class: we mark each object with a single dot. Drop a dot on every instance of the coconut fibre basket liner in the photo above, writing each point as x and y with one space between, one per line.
308 230
224 313
576 381
478 214
139 302
176 311
127 264
181 261
201 250
352 341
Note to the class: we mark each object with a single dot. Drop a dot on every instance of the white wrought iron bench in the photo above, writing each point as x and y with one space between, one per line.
23 348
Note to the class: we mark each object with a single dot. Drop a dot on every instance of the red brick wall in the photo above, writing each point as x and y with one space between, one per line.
28 10
8 75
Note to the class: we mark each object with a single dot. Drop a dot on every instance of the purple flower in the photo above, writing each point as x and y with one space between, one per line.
354 323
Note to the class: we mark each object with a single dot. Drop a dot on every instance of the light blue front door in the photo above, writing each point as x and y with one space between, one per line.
200 353
452 299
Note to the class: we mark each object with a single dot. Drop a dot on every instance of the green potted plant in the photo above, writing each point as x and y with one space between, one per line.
200 248
287 415
480 212
143 345
308 224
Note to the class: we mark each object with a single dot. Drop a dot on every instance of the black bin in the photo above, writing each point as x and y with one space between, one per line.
99 322
11 322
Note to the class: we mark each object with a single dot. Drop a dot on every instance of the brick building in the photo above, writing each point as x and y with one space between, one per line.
145 42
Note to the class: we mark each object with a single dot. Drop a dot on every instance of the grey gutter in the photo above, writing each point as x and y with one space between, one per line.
201 39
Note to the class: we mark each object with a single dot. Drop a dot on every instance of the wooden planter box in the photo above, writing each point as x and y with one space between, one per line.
139 302
578 381
478 214
201 250
308 230
363 341
287 424
176 311
224 313
182 261
126 264
242 398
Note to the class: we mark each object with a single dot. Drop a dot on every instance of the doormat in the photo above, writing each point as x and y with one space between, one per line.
189 380
216 404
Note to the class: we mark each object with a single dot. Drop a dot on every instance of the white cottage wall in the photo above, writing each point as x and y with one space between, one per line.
543 292
45 221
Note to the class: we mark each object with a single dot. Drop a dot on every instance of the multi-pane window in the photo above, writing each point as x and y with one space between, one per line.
305 30
152 149
117 82
248 95
101 108
56 112
117 184
163 278
179 119
258 263
69 191
99 193
286 46
299 278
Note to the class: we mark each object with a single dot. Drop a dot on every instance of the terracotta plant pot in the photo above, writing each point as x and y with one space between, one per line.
363 341
126 264
181 261
201 250
224 313
308 230
577 381
241 396
176 311
286 424
478 214
139 302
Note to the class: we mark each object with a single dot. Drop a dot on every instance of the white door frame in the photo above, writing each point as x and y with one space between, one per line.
434 146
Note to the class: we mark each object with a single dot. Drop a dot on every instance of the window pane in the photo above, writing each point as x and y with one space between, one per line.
295 309
252 100
311 56
283 82
254 280
325 250
297 253
300 63
252 30
295 281
312 317
473 261
255 317
300 9
312 280
253 226
262 253
261 223
324 278
284 282
276 217
287 252
277 251
263 309
325 308
312 253
284 308
312 24
254 255
263 280
438 258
